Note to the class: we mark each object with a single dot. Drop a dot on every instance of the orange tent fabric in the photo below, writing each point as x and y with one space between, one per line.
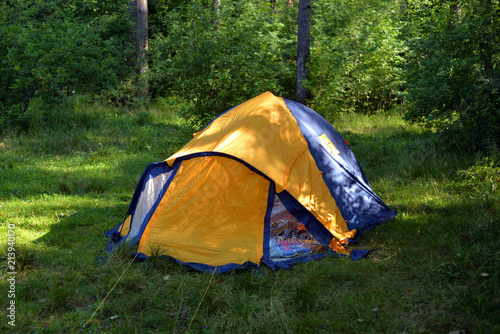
217 202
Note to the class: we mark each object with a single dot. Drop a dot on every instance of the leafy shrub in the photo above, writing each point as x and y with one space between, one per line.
52 49
453 75
354 53
483 178
217 60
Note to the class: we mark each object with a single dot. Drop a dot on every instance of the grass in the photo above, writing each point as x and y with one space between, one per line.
436 270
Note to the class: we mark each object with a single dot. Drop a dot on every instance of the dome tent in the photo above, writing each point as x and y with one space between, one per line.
269 181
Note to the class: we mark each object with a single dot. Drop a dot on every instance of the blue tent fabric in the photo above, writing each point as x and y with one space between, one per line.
343 175
312 224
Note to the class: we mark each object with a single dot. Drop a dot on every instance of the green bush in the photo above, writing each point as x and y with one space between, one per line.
453 75
482 179
354 56
216 61
53 49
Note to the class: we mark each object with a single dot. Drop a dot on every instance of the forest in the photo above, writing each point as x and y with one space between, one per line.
438 60
92 91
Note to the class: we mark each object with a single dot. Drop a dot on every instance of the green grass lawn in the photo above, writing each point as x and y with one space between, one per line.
62 185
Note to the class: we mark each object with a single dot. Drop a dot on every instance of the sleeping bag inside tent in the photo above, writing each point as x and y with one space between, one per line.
268 181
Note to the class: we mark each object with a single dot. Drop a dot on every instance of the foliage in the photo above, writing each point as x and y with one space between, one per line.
453 74
52 49
355 53
439 59
482 179
219 59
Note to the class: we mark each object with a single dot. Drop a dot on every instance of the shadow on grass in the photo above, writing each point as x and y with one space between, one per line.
406 153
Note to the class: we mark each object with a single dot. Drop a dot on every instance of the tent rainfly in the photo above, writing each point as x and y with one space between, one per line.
268 181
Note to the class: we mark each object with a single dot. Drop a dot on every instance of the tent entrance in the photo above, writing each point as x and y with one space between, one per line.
289 237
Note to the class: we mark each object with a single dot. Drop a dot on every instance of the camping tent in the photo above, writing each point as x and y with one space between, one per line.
267 181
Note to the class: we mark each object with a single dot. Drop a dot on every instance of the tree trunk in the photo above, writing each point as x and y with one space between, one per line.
142 47
486 41
216 6
303 49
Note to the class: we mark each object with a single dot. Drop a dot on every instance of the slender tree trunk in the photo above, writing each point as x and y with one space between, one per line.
216 4
303 49
486 51
142 47
486 42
